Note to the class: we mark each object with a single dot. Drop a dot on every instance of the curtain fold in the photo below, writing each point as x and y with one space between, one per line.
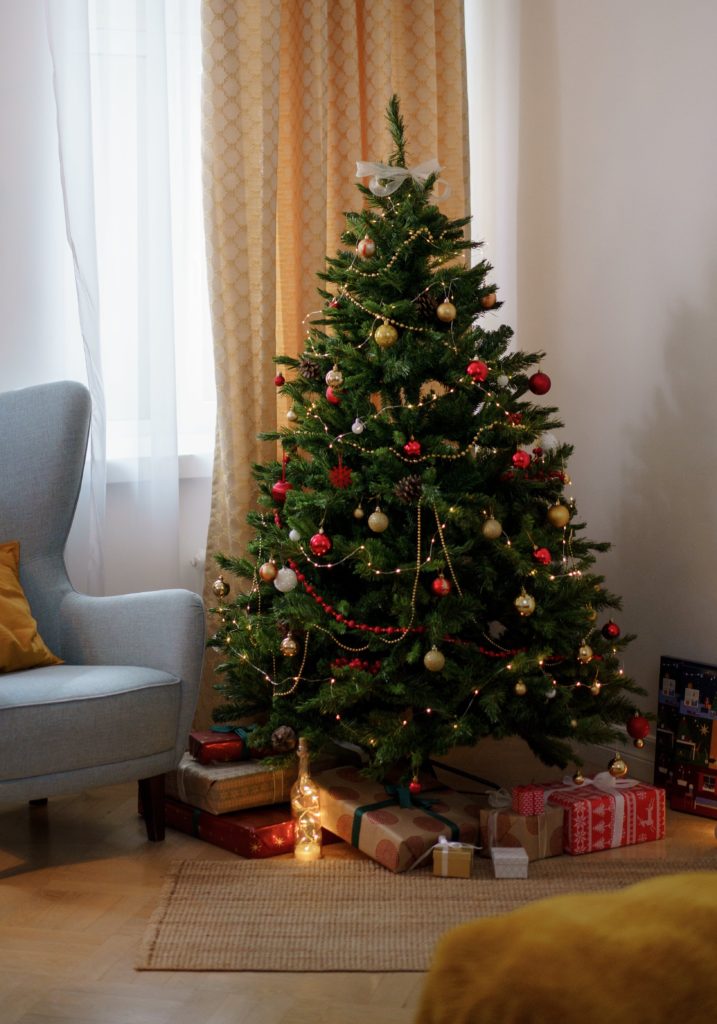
294 93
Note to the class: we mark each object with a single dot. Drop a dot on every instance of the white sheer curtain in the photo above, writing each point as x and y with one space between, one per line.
126 77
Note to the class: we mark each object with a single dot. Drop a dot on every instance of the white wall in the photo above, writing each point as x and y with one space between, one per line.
617 275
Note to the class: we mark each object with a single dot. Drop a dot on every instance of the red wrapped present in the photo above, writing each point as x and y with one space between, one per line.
605 812
210 745
389 824
528 799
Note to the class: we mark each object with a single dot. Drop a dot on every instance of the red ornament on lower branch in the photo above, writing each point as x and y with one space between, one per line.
320 544
280 490
638 728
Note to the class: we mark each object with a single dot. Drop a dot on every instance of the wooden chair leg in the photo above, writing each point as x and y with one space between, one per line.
151 799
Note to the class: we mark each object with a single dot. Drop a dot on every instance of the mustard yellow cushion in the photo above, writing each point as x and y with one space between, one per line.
645 954
21 646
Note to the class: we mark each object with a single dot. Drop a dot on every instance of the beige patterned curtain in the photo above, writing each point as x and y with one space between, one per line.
295 92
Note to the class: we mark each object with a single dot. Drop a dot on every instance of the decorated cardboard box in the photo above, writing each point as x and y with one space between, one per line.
255 833
540 835
605 812
224 788
370 817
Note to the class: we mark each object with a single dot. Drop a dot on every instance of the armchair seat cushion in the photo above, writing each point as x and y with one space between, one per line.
62 718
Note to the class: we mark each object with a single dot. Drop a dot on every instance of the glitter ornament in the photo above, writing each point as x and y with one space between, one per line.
334 378
434 660
357 427
492 529
268 571
477 369
378 521
385 335
525 604
288 646
446 312
285 580
366 247
320 544
294 536
220 587
539 383
558 515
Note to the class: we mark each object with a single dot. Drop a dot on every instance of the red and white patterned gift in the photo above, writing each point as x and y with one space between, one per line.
606 812
528 799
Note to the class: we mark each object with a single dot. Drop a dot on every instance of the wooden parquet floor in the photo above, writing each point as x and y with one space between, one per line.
78 881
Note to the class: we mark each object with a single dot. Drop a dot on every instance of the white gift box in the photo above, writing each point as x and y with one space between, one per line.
509 861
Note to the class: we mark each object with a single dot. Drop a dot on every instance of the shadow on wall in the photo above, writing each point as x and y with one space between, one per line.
667 525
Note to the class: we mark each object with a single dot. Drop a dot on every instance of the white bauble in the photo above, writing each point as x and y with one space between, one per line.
285 580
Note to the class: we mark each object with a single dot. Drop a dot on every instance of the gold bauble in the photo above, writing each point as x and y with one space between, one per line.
585 653
378 521
595 688
525 604
220 587
334 378
489 300
288 646
573 723
434 660
385 335
559 515
446 312
639 743
492 529
591 613
578 777
359 512
617 767
520 688
268 571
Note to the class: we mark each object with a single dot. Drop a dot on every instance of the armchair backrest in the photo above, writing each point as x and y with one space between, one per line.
43 441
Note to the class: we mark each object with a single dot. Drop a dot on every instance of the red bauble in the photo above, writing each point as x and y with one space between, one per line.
611 630
638 728
521 460
515 418
412 447
414 787
539 383
332 397
542 555
320 544
477 369
280 489
441 587
279 380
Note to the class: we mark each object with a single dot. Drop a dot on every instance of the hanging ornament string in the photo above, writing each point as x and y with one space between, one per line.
449 562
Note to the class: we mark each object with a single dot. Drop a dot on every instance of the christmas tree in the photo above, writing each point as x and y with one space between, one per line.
418 577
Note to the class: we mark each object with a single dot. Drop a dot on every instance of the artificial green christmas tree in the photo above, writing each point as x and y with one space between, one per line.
418 578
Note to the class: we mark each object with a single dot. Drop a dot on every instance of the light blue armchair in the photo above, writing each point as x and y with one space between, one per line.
121 705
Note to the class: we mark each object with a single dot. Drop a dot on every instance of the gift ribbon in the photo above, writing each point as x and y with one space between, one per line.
402 796
443 846
394 177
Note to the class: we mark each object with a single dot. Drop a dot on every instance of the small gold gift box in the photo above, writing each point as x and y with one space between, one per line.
452 860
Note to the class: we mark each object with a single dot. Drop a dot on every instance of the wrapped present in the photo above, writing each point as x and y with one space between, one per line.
212 745
389 824
540 835
223 788
452 860
509 861
528 799
605 812
255 833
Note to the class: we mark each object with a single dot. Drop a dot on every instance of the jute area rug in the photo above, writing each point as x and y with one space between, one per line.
347 915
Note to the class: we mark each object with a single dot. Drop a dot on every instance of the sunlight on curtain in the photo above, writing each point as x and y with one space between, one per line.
131 177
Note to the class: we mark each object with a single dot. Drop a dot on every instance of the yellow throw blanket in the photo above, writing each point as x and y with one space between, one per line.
646 954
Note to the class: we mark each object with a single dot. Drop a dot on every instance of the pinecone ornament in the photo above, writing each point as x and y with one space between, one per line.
310 370
409 489
427 305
